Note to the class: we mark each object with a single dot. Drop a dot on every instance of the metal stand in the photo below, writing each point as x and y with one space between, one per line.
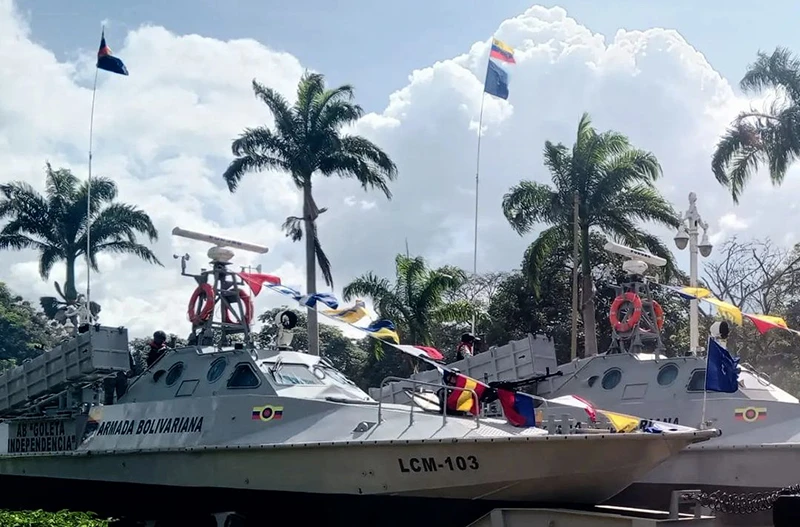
645 333
230 296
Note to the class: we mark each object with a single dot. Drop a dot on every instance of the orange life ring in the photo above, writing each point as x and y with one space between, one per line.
623 326
200 313
247 300
659 315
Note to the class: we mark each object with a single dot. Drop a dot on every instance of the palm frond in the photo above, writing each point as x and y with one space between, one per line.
322 258
359 158
538 253
779 70
529 202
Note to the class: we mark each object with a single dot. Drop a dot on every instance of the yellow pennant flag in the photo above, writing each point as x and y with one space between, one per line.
621 422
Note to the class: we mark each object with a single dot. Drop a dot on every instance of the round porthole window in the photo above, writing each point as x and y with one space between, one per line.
592 380
611 379
667 374
157 375
174 373
216 369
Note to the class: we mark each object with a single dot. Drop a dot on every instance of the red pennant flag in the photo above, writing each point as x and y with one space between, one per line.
256 280
764 323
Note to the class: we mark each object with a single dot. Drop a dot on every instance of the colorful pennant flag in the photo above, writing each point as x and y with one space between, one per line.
764 323
326 298
421 351
577 402
496 82
722 370
518 407
255 280
350 315
383 330
106 61
622 423
463 400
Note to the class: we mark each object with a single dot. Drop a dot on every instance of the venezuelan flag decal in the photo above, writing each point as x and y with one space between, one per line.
750 414
267 413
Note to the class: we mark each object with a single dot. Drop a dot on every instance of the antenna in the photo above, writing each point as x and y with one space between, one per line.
635 254
219 242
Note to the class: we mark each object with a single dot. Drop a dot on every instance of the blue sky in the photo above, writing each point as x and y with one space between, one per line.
163 134
375 45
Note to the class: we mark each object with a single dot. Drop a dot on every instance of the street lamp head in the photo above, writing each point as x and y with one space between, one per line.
681 238
705 246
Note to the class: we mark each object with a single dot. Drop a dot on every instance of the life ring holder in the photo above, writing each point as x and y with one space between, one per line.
625 325
249 308
199 311
659 313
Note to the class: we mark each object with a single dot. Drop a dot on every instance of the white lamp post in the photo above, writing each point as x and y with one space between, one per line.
687 234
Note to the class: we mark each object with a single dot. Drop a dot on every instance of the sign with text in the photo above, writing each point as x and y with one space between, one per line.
47 435
157 425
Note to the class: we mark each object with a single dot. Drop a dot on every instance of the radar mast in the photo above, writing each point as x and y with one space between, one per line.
219 286
636 319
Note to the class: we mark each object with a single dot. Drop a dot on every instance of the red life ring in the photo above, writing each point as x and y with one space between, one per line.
247 300
659 315
199 313
623 326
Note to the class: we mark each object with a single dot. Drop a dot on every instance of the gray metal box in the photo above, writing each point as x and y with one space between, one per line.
85 358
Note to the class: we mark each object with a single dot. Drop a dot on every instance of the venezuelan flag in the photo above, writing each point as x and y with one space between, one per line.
502 52
462 400
518 407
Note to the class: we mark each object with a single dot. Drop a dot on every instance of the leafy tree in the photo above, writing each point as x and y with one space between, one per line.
24 331
771 136
416 301
306 139
614 183
345 354
55 225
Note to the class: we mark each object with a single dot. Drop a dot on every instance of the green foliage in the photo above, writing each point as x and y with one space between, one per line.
516 309
615 187
55 225
307 138
41 518
345 354
416 302
769 137
24 331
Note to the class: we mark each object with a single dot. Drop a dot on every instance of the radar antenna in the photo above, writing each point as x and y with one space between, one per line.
636 318
227 292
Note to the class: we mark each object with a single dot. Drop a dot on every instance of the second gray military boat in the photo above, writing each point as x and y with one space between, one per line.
223 425
760 423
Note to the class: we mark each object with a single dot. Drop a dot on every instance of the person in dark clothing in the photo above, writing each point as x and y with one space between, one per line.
466 348
158 346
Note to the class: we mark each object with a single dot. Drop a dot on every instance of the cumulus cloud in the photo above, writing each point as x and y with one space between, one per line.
164 134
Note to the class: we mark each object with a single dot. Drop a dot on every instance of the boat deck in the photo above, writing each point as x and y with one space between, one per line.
605 516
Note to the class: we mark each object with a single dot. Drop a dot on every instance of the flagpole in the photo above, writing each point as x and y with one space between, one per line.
89 198
705 393
477 181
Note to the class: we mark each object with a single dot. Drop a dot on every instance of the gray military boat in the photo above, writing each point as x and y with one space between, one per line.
760 423
223 425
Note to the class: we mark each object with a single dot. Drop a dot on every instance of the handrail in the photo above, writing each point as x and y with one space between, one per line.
415 383
763 378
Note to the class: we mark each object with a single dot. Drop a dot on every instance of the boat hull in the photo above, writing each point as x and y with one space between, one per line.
732 469
549 469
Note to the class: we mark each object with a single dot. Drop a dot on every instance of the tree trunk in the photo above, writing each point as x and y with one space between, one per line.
311 268
589 323
70 292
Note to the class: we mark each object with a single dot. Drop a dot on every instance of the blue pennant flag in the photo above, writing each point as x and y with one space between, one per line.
106 61
284 290
326 298
496 80
722 370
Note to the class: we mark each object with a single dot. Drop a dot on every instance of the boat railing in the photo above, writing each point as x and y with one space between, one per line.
763 378
415 383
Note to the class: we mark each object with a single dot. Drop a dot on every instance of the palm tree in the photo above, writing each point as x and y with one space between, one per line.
307 139
55 225
771 137
614 185
416 301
